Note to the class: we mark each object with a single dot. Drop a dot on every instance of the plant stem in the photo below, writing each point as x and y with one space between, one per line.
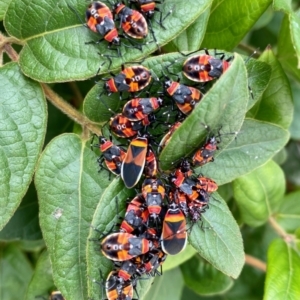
280 231
255 262
56 100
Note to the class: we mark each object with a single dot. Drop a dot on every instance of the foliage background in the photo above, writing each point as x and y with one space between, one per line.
48 138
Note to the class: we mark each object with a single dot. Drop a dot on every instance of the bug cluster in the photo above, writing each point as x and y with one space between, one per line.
156 219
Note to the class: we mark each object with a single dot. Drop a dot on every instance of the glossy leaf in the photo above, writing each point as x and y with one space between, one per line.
276 104
224 105
288 215
203 278
173 261
256 143
55 48
229 22
15 272
3 7
221 243
69 189
41 282
191 38
259 193
283 272
23 118
168 286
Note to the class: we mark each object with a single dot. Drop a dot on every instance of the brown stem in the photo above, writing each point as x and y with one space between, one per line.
70 111
280 231
255 262
78 99
13 55
248 49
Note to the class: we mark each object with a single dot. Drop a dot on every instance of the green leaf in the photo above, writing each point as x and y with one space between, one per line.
221 244
203 278
284 5
23 118
288 215
166 287
283 272
292 165
229 22
173 261
259 193
191 38
276 104
3 7
69 189
224 105
15 273
280 157
295 126
24 225
41 282
55 48
286 53
256 143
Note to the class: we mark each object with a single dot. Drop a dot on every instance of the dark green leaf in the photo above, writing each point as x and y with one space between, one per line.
69 189
24 225
288 215
259 193
221 244
226 191
292 165
23 118
203 278
229 22
295 126
15 273
224 105
3 7
41 282
256 143
166 287
276 104
173 261
280 157
283 272
55 48
191 38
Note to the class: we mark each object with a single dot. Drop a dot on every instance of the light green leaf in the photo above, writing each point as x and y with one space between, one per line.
259 193
256 143
203 278
23 118
221 243
283 272
276 104
3 7
288 215
229 22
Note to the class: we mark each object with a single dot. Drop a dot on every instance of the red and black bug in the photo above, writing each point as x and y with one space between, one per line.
165 140
132 22
174 234
184 96
134 162
118 289
205 67
150 169
123 246
112 155
127 269
136 215
130 79
153 191
207 184
138 108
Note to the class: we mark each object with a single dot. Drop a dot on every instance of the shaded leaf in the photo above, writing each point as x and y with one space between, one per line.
69 188
203 278
15 272
41 282
276 104
55 48
221 244
283 271
168 286
224 105
295 126
23 118
173 261
259 193
256 143
3 7
229 22
288 215
292 165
